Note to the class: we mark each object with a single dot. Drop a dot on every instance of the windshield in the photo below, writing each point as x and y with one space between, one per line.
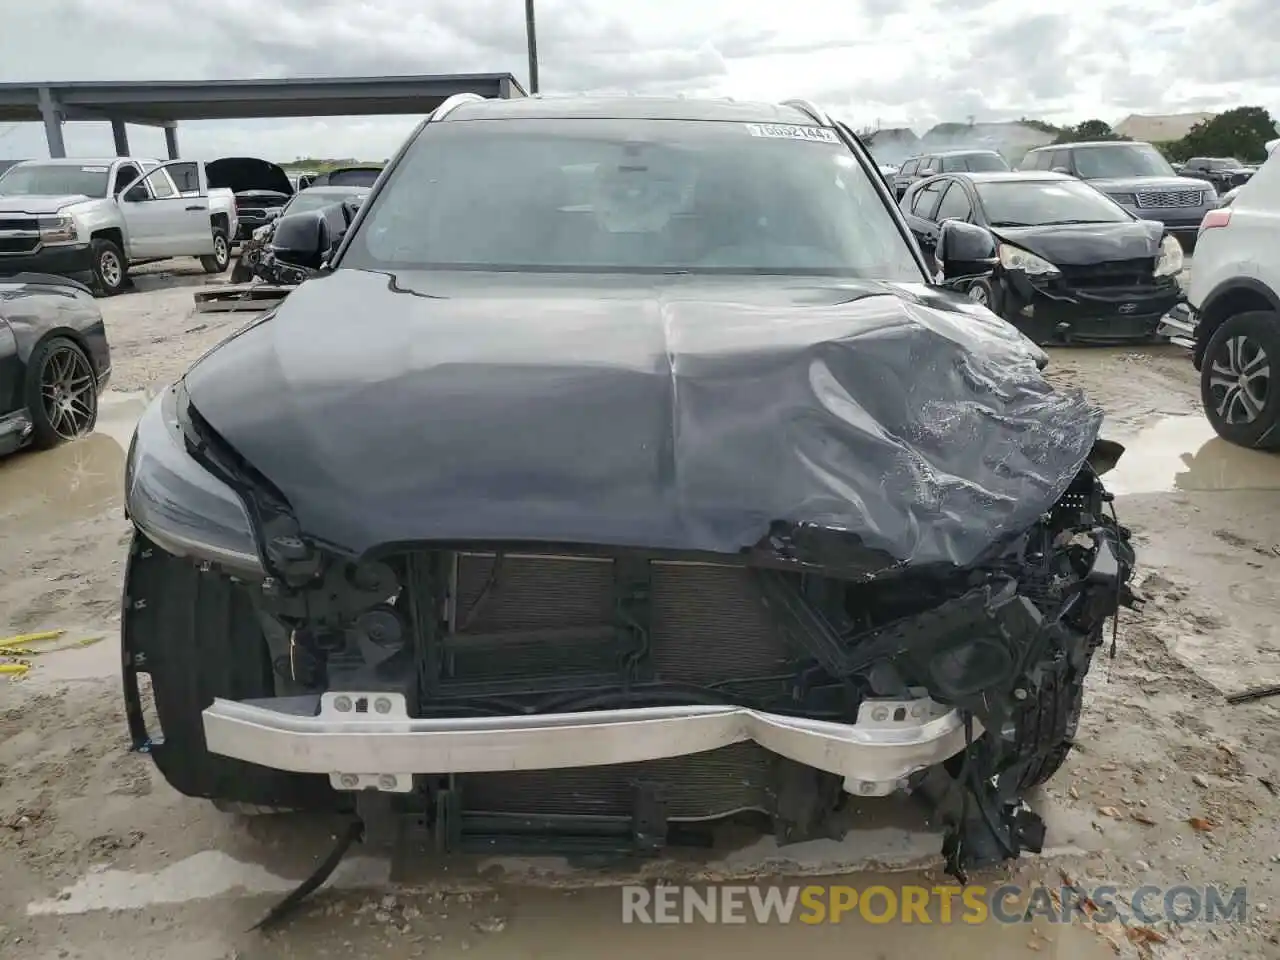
1228 164
1035 203
1121 160
315 198
656 196
54 180
986 162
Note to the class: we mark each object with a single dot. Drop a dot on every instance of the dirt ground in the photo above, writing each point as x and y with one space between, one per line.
1171 785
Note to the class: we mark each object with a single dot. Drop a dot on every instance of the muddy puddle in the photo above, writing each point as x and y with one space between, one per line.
43 489
1184 453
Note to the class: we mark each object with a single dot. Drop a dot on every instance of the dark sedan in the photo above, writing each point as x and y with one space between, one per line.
54 360
1074 266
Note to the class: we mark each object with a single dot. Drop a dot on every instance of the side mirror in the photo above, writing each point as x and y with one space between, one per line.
1062 170
135 194
302 239
926 172
965 250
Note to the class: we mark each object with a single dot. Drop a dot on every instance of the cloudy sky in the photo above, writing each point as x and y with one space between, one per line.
899 62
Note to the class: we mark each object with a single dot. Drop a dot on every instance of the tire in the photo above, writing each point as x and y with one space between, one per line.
1245 343
196 634
60 366
983 291
1046 726
220 259
110 268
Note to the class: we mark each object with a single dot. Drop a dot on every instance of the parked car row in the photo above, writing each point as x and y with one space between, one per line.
95 218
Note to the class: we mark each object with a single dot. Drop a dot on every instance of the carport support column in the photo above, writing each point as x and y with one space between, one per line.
121 136
52 123
171 138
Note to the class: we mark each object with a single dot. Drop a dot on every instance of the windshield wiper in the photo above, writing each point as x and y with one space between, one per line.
1011 223
1064 223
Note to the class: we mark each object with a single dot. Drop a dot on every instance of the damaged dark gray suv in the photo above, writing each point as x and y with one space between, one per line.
626 467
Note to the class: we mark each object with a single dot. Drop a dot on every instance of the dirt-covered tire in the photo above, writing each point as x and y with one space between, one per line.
1239 350
110 268
196 635
1047 725
220 259
61 393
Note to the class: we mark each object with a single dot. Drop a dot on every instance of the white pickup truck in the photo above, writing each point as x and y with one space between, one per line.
97 217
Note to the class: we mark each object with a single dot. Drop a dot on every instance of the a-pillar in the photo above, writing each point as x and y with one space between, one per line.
121 136
52 117
171 138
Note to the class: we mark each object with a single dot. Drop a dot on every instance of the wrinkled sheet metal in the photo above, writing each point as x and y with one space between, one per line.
676 413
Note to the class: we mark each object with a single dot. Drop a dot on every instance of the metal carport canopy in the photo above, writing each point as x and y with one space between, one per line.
163 104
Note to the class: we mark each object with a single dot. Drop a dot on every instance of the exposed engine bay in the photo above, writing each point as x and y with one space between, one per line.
515 632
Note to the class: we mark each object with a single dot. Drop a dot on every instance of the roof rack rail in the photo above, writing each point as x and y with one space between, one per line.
818 115
457 100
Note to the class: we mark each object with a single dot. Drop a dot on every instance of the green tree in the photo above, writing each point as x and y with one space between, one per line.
1088 130
1241 133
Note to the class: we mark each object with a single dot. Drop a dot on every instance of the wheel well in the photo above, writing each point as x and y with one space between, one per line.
223 221
114 234
65 333
1221 306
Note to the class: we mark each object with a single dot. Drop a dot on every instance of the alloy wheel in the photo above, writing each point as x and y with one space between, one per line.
109 266
68 392
1239 379
220 251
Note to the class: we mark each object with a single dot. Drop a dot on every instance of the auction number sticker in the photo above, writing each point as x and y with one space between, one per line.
787 131
93 169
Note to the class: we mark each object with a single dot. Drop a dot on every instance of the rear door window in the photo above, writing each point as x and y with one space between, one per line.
926 202
955 204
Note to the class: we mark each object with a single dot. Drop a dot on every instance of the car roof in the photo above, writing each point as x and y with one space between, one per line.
1013 176
629 108
327 188
1090 143
961 153
85 161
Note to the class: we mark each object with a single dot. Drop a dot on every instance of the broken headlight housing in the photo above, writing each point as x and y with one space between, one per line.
176 502
1024 261
1170 261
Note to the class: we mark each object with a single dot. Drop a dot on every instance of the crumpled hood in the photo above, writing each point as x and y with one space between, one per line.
1088 243
39 205
1134 184
657 412
239 174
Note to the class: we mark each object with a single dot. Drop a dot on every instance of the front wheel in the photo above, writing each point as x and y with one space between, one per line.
110 268
983 293
1240 396
61 393
220 259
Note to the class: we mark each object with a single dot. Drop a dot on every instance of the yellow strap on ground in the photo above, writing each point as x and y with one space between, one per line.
22 639
15 669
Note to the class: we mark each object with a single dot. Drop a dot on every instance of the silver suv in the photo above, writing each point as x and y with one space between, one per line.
1138 177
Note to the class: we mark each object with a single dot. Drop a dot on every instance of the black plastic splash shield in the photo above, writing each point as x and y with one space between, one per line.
664 413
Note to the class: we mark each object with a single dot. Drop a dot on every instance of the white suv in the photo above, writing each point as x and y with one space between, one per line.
1233 320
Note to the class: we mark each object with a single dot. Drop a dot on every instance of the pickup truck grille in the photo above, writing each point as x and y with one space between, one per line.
18 244
1166 199
18 223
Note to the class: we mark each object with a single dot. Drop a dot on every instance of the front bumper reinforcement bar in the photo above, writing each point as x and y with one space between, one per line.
369 741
